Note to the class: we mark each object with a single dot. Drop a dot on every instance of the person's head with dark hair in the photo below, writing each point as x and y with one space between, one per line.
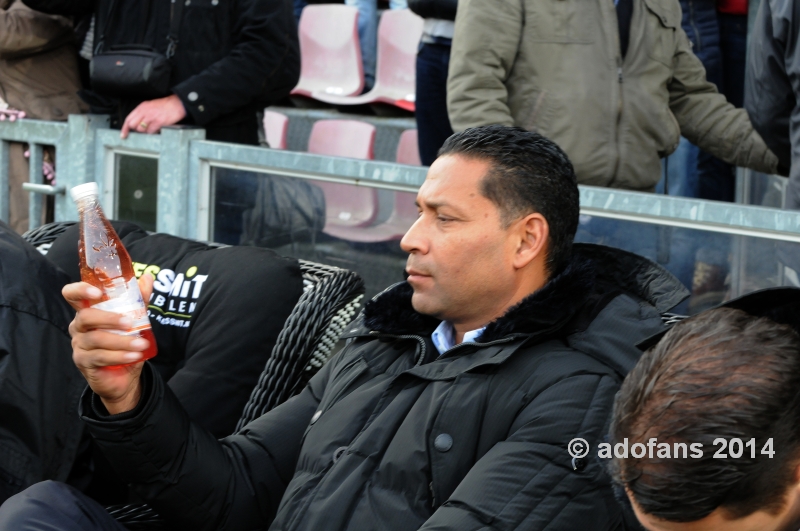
726 384
498 213
528 174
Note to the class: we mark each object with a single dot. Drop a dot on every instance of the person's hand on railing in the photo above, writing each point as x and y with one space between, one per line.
106 360
49 171
11 115
48 168
150 116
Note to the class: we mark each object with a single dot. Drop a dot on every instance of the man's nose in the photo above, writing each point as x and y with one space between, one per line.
413 240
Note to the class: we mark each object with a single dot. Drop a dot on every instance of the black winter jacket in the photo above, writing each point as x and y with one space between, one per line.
39 437
772 96
233 56
388 436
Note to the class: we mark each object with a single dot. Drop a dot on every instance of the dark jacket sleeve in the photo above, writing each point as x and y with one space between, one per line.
188 476
62 7
527 481
264 64
772 92
442 9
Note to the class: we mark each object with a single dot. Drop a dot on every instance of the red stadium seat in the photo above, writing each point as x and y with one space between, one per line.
404 211
276 126
329 51
403 215
347 207
399 33
408 148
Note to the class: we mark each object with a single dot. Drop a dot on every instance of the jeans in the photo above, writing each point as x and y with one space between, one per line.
50 506
433 124
368 33
298 6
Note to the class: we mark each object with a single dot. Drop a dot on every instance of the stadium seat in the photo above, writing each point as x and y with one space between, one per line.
276 126
330 56
399 33
404 210
347 207
408 148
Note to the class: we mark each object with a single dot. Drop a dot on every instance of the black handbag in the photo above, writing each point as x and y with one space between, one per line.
134 70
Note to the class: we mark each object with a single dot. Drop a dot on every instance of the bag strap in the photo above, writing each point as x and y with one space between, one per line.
176 13
98 47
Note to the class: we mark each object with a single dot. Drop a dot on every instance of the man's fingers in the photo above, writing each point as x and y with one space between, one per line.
125 129
81 295
146 286
104 340
90 319
132 121
99 358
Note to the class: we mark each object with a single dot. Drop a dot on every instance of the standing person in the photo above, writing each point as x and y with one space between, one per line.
717 30
38 75
451 406
773 85
433 60
615 87
231 59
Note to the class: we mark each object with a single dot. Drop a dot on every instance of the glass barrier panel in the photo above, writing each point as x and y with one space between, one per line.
763 190
360 228
714 266
137 190
342 225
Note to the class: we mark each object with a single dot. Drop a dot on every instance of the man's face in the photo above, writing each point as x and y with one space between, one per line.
461 258
719 520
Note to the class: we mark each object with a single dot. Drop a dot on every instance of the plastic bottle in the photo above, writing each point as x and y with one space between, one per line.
106 264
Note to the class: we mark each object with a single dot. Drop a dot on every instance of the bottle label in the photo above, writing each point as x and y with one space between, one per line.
126 299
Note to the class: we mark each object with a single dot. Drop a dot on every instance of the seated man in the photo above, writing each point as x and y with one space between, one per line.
39 439
451 405
722 386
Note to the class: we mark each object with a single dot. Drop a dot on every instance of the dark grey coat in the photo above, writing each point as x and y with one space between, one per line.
388 436
773 86
39 427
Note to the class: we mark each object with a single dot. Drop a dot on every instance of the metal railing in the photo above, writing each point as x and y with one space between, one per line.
86 150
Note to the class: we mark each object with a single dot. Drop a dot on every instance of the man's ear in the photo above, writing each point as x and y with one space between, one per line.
534 233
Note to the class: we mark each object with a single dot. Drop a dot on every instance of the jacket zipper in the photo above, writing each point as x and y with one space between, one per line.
618 53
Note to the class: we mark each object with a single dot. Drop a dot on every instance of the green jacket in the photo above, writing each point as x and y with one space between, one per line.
555 66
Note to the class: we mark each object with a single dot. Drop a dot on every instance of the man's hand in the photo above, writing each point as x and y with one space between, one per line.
150 116
106 360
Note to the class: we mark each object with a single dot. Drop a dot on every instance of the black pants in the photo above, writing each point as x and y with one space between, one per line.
433 124
53 506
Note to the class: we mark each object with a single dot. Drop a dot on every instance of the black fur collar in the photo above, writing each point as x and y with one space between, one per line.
547 309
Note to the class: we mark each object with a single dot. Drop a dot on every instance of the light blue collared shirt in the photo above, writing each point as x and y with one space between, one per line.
444 337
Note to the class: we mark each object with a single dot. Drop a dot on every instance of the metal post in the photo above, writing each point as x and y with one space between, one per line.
177 189
75 159
35 177
5 190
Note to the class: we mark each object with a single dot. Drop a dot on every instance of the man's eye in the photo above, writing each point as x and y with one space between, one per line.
443 219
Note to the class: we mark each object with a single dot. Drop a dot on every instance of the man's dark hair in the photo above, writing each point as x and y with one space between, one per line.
528 173
723 373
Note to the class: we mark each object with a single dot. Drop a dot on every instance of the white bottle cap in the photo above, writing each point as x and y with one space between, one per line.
84 190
